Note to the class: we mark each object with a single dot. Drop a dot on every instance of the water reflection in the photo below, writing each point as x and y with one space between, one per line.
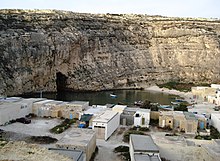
103 97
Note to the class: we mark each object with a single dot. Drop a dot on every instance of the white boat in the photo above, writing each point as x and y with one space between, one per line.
113 95
175 103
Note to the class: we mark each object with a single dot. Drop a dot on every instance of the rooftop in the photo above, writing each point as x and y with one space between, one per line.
143 143
213 149
106 116
54 103
44 101
189 116
121 107
73 154
143 110
95 110
79 102
77 137
141 157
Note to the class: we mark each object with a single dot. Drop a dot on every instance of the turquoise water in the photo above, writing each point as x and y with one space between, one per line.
103 97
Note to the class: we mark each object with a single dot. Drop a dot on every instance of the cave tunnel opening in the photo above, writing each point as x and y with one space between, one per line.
61 81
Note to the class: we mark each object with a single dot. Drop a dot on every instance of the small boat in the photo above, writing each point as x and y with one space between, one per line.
113 95
138 103
175 103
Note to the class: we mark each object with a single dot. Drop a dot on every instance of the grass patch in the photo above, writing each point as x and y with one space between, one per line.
123 151
63 126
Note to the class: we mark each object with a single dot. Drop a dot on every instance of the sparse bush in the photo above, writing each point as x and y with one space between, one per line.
181 107
63 126
124 152
126 136
121 148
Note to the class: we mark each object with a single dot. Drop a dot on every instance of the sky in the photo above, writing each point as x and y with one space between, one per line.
173 8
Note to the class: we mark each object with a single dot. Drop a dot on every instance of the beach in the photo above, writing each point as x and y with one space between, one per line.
187 96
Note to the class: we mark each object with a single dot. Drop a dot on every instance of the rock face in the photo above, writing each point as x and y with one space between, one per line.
50 50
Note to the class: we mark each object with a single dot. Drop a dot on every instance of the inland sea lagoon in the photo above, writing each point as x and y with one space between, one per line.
127 97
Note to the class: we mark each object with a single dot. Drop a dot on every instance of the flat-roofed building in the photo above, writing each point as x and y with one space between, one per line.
37 105
142 118
79 139
105 124
119 108
12 108
182 121
215 120
142 157
52 108
143 147
191 123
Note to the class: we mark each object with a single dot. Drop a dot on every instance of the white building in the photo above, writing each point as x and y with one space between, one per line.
215 120
12 108
105 124
142 118
143 148
216 86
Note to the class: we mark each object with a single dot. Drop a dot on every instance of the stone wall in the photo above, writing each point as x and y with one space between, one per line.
40 49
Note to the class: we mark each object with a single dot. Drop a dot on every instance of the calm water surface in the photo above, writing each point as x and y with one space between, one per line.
103 97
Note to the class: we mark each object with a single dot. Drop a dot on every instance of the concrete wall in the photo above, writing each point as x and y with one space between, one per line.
12 111
91 148
112 125
215 120
129 119
191 126
138 121
131 149
154 115
166 121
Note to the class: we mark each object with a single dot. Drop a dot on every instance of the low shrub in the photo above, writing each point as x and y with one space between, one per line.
63 126
123 152
126 136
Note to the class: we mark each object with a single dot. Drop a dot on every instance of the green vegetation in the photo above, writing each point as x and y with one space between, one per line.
126 136
214 134
123 151
181 107
147 105
180 86
63 126
139 128
203 137
2 139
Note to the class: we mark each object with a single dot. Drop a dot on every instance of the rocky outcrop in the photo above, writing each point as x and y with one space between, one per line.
50 50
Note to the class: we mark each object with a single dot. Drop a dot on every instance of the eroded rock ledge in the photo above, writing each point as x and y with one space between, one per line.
48 49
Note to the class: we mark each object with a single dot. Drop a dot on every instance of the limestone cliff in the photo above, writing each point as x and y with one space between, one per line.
47 49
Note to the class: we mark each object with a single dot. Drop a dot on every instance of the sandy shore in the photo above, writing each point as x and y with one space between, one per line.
188 96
